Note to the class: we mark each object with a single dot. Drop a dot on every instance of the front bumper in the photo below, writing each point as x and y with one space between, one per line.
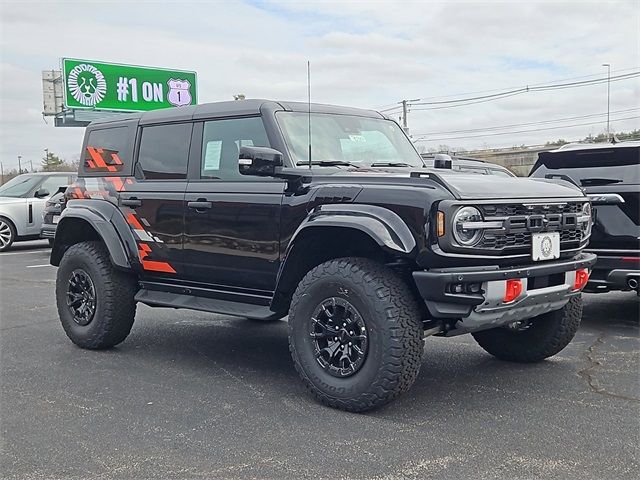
48 231
546 287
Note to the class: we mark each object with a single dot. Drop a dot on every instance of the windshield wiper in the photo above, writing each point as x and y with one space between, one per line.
392 164
328 163
599 181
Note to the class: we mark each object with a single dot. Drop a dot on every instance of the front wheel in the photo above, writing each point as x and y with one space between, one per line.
534 339
355 334
95 301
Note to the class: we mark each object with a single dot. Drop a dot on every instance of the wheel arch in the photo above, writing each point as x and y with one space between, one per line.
335 231
88 221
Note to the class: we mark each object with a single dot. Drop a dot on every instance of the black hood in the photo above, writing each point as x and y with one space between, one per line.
465 185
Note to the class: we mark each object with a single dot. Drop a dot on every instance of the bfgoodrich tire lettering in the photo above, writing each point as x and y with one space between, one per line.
115 307
543 337
394 333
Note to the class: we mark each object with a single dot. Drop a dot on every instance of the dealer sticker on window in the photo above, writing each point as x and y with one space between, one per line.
545 246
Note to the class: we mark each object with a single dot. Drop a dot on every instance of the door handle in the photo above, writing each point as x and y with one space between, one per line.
200 205
131 202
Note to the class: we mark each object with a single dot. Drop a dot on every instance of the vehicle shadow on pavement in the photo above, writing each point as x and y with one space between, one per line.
452 369
601 312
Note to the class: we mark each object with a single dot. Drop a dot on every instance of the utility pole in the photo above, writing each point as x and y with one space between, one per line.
2 173
31 164
19 165
405 109
404 115
608 98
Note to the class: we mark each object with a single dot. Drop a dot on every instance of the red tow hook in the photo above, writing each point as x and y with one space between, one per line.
513 290
582 277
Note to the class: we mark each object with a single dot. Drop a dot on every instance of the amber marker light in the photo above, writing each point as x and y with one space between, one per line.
440 224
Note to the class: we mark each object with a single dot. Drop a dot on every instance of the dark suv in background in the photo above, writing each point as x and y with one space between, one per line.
610 175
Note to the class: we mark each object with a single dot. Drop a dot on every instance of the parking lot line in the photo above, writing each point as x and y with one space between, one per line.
39 266
23 253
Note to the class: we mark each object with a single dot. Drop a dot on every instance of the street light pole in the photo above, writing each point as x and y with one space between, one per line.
608 97
19 165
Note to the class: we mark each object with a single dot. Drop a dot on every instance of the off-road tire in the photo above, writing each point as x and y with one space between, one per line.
115 306
7 230
395 333
544 336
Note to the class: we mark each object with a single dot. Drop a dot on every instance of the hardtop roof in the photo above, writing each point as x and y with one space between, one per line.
232 109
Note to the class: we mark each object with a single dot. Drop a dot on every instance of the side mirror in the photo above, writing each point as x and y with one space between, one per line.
260 161
41 193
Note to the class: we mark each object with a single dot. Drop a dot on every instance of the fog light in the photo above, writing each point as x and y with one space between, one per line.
513 291
582 277
457 288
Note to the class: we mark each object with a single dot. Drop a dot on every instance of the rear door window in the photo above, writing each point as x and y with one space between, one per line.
164 152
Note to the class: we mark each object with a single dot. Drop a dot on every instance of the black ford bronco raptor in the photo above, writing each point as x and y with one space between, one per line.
264 209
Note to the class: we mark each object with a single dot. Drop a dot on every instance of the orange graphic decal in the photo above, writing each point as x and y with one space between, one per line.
133 221
97 160
152 265
117 182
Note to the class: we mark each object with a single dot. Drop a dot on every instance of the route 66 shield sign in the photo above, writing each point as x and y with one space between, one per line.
179 94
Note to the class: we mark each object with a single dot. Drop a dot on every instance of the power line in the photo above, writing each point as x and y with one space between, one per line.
521 131
419 105
397 104
541 122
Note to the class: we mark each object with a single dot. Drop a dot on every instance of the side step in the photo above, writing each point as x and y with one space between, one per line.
155 298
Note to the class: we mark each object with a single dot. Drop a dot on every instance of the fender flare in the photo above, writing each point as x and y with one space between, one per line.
109 224
384 226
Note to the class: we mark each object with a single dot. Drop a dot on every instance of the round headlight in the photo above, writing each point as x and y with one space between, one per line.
586 220
463 233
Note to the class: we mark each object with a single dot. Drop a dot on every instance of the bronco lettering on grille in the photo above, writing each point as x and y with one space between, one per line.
541 223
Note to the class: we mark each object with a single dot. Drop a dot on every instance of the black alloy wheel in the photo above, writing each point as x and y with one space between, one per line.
339 336
81 297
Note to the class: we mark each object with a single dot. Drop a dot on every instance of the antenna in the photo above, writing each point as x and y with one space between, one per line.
309 106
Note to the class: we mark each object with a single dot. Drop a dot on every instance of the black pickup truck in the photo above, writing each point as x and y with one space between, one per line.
324 214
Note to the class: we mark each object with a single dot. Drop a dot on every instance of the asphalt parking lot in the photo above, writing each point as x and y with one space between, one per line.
194 395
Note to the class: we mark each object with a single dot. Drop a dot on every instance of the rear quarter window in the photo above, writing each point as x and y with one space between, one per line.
108 151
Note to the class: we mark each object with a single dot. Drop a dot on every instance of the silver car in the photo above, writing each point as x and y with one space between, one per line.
22 201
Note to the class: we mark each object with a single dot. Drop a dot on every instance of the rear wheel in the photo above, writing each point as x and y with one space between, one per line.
95 301
355 334
534 339
7 234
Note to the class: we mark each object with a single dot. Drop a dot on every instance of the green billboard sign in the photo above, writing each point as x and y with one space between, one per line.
128 88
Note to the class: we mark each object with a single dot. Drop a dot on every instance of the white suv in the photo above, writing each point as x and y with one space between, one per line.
22 200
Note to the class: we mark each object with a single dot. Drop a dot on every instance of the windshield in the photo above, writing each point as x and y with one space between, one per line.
19 186
357 140
592 167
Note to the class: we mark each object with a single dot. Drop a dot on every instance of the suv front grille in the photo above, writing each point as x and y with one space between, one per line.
508 210
520 220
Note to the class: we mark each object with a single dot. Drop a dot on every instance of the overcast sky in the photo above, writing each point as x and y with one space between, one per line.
367 54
